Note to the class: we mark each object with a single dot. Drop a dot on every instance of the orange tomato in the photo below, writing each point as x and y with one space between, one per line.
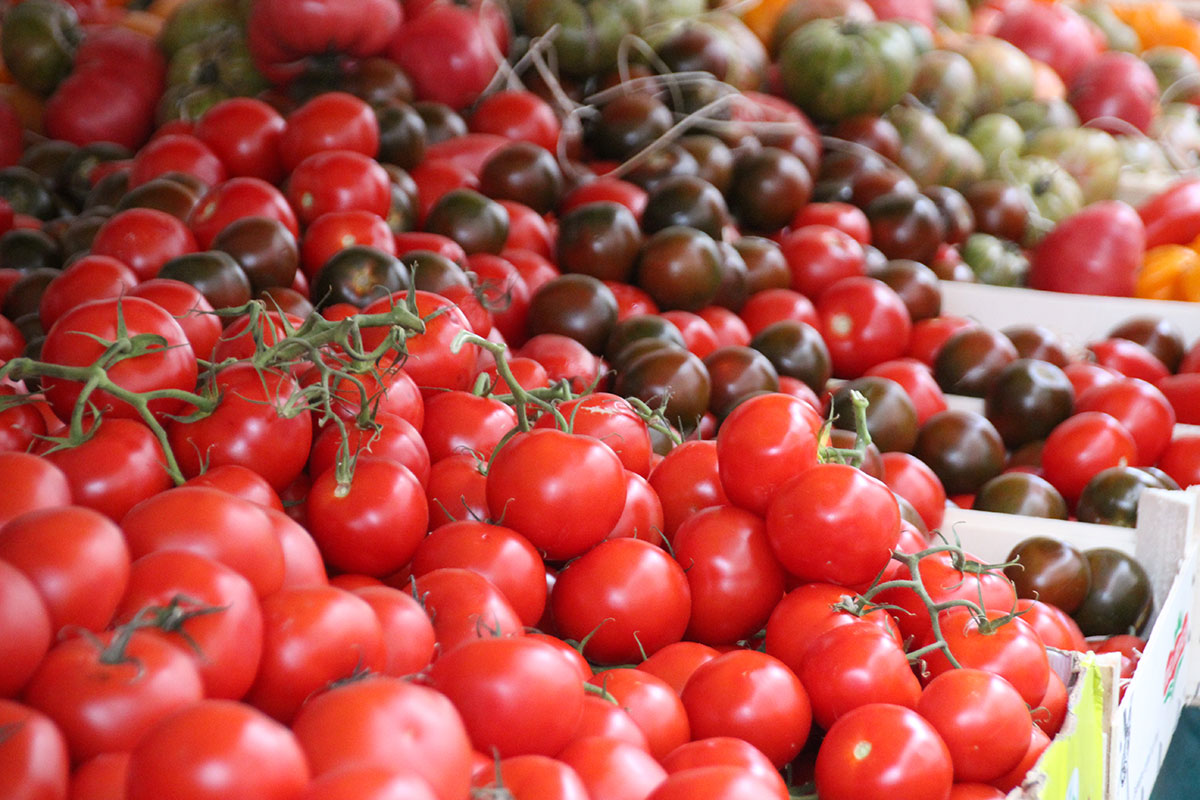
1161 271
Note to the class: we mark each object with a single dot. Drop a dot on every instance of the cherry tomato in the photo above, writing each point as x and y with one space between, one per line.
882 751
864 323
465 606
29 483
1013 650
1081 446
982 719
244 132
144 239
613 768
761 444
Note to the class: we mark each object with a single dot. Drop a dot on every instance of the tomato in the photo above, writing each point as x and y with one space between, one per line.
532 486
1141 409
918 382
211 523
1129 359
33 756
28 630
338 180
1038 742
982 719
497 553
734 577
752 696
1182 459
599 190
30 483
387 722
564 359
1054 625
928 336
408 635
215 618
92 277
652 705
687 480
1012 650
630 595
106 692
1081 446
1096 251
189 308
429 360
244 132
75 557
241 482
613 768
881 751
20 424
458 421
217 749
763 442
713 783
849 666
457 490
159 364
517 696
369 783
232 200
311 637
143 239
256 424
819 256
864 323
100 778
1052 711
612 420
725 751
115 468
534 777
465 606
808 611
517 114
448 52
176 153
676 662
910 478
809 517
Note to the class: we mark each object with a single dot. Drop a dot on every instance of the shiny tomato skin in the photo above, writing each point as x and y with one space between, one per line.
28 628
217 749
805 613
1081 446
430 361
143 239
1014 651
613 768
534 777
89 278
676 662
864 323
465 606
244 132
34 757
408 636
1141 408
337 180
612 420
724 782
329 121
763 442
30 483
234 199
687 480
881 751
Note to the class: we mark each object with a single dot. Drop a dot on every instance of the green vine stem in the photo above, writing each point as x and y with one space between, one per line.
853 456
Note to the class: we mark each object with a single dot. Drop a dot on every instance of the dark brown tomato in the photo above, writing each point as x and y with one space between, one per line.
599 239
109 190
1027 400
870 131
163 194
735 373
402 134
524 172
680 268
999 209
1121 597
971 360
359 275
25 295
1038 341
1021 493
733 291
796 350
714 159
27 249
1050 570
404 207
578 306
685 200
916 284
696 48
1111 496
478 223
626 124
441 121
433 272
962 448
214 273
870 185
74 177
640 328
906 225
891 415
958 220
379 80
264 248
671 375
766 266
670 160
769 186
1160 336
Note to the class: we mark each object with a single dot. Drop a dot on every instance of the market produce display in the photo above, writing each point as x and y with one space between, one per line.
553 399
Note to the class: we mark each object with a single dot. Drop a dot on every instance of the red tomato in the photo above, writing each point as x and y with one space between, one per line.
210 523
465 606
1081 446
881 751
751 696
714 783
34 755
92 277
206 609
1038 742
144 239
448 52
819 256
982 719
845 217
244 133
369 783
1141 409
408 636
613 768
11 132
763 442
28 630
29 483
176 152
769 306
458 421
1114 88
864 323
100 778
338 180
372 523
1129 359
1013 650
105 692
726 751
1183 393
217 748
564 359
395 439
387 722
241 482
457 490
1182 459
849 666
1095 251
517 114
912 479
652 704
527 229
497 553
189 308
807 612
612 420
599 190
517 696
1054 34
809 514
534 777
1055 626
698 336
312 636
734 577
532 484
676 662
329 121
429 360
630 595
75 557
918 382
687 480
336 230
928 336
232 200
1052 711
1173 215
642 517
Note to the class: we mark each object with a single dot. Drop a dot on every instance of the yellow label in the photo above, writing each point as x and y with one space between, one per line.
1074 763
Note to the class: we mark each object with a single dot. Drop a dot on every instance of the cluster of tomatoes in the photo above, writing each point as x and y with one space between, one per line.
354 445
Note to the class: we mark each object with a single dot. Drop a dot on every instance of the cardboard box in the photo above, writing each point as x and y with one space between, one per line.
1133 733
